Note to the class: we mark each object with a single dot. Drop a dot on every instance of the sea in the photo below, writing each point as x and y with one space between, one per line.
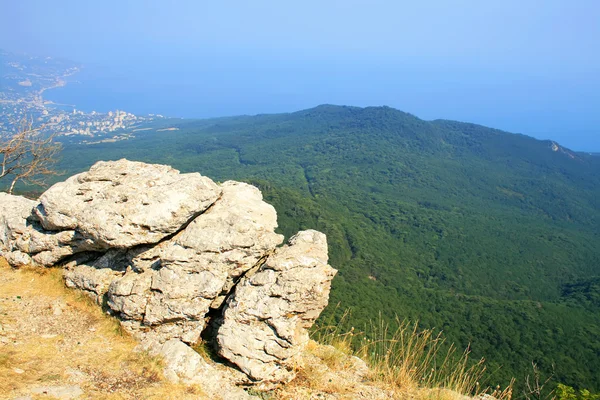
186 90
103 89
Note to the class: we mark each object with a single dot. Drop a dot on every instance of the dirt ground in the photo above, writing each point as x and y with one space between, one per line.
56 343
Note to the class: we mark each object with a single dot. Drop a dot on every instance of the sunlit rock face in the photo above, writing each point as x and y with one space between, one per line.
172 254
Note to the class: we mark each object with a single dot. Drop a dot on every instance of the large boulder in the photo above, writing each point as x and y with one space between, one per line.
266 318
123 203
171 287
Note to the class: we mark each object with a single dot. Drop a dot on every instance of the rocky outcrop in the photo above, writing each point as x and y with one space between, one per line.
171 287
171 254
265 319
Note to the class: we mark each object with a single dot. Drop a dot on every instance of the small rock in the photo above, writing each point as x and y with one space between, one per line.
48 336
484 396
75 375
359 367
60 392
183 364
57 308
18 370
17 258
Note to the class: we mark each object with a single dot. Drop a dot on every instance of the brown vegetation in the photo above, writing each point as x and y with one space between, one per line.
27 155
51 335
407 361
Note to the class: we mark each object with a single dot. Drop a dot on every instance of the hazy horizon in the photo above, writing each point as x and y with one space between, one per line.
525 67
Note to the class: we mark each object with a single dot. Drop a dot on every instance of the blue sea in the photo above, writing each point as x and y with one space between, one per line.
138 92
189 90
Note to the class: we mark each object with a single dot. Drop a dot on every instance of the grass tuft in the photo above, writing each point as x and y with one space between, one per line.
412 361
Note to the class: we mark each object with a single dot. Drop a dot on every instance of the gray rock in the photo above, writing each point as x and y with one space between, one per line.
177 281
48 248
17 258
120 204
23 240
95 277
265 320
14 211
183 364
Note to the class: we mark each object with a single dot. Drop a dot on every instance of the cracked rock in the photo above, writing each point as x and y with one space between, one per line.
14 211
266 319
193 268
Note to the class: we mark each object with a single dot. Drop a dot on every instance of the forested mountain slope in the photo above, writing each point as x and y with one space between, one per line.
492 237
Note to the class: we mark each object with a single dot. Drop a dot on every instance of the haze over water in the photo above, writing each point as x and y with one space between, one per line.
528 67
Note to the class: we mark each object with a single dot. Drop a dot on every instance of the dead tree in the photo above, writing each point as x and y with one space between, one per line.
27 155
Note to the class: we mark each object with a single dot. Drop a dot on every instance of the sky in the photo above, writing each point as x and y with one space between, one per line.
525 66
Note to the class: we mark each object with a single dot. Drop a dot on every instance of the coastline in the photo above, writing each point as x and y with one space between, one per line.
60 82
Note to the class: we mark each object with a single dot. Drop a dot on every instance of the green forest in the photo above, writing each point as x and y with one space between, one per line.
491 237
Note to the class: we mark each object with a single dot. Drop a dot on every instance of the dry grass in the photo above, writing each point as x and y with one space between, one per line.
318 376
51 335
411 362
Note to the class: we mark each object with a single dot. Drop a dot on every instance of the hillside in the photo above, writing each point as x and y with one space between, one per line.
132 280
56 343
489 236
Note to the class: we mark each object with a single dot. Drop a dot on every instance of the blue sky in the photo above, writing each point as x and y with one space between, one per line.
524 66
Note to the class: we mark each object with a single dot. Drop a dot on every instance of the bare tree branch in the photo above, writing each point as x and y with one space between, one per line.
536 387
27 155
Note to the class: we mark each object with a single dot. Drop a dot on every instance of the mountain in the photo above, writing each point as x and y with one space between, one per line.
491 237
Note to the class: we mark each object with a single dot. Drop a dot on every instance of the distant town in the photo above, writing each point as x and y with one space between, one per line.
23 82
